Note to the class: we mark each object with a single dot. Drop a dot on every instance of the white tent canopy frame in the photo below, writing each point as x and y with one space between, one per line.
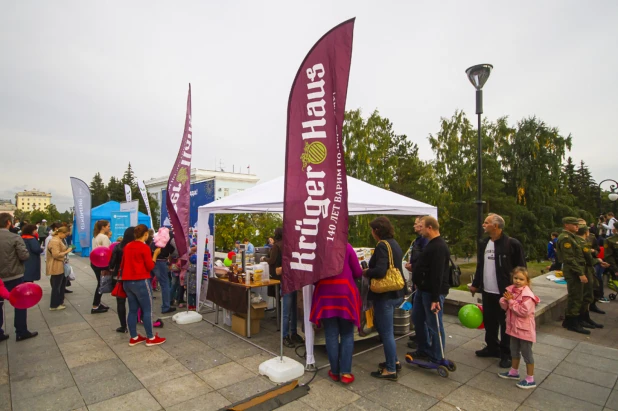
363 198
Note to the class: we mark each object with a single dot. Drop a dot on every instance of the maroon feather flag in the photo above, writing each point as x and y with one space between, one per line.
178 189
315 210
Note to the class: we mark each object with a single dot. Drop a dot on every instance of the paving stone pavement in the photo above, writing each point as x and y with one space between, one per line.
79 362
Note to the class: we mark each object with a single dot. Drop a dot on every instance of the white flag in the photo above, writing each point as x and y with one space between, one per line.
142 189
127 192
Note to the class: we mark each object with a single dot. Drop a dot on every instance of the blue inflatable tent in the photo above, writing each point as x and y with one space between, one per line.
104 212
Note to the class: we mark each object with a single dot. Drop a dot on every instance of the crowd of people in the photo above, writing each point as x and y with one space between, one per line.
138 265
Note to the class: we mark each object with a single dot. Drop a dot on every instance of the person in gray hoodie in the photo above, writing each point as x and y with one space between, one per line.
13 253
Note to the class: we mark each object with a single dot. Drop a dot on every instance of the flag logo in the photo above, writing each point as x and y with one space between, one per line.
182 177
315 153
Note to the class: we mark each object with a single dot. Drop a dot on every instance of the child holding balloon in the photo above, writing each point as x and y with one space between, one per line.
520 304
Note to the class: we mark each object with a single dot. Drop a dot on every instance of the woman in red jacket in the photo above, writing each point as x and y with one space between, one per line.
137 262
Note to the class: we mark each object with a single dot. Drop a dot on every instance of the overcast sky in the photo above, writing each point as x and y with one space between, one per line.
88 86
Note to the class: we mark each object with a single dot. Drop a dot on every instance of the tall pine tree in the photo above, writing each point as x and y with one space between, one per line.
98 190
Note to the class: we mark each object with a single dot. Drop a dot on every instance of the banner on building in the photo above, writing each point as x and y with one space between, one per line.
82 201
177 199
315 216
202 192
127 192
144 192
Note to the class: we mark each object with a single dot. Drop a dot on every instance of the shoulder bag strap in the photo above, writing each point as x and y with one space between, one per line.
390 253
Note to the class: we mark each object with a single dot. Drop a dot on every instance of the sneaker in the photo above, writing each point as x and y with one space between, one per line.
99 309
156 340
137 340
60 307
525 385
191 308
295 337
603 300
486 352
508 376
287 341
104 306
122 330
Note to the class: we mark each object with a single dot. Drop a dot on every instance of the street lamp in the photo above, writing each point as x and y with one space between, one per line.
478 76
612 196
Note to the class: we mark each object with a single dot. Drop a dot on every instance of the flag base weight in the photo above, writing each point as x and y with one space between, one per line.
187 317
281 369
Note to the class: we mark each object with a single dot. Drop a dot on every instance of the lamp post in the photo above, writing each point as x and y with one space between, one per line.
612 196
478 75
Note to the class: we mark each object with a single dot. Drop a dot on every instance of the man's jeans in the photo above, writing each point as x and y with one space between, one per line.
425 322
383 311
139 295
290 309
21 316
163 278
339 354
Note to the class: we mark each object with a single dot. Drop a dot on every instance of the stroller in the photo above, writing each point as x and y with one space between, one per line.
612 284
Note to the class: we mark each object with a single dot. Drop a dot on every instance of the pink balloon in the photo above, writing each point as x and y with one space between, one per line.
26 295
113 245
99 257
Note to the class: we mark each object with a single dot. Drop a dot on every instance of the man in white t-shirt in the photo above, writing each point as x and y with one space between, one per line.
498 255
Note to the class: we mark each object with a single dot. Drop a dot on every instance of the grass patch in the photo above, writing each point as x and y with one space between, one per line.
468 270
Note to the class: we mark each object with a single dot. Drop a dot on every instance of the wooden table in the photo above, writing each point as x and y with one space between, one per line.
219 285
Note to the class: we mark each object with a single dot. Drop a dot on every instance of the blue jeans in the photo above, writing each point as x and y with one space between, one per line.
290 309
175 288
383 311
163 278
139 295
21 316
339 353
426 326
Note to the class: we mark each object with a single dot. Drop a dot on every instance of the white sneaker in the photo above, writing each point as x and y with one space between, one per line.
60 307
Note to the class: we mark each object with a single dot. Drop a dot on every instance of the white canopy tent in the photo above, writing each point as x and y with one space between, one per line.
363 198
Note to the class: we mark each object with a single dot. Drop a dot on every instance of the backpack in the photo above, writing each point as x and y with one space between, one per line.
454 273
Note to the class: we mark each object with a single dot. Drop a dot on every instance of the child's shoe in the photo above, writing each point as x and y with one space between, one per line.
525 385
158 323
507 375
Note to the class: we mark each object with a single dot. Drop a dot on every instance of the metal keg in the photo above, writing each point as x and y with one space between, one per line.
401 321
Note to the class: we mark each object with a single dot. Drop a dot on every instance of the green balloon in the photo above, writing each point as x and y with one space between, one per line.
470 316
227 262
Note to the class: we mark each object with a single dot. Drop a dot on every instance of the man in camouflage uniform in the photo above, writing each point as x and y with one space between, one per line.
611 250
588 296
570 253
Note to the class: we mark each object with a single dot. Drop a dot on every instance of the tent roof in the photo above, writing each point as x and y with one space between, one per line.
103 211
363 198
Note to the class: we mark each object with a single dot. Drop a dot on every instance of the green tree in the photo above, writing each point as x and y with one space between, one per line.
115 190
98 190
256 227
129 177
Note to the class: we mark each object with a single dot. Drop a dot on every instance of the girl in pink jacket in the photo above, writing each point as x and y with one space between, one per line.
520 303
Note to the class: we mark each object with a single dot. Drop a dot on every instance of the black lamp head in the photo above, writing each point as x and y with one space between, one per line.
479 74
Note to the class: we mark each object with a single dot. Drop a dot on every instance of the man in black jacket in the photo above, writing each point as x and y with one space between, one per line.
431 277
498 255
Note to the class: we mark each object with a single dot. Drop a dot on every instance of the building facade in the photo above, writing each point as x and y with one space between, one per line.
7 206
225 183
32 200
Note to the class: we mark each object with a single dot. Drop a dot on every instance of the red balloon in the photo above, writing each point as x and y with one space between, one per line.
99 257
231 255
26 295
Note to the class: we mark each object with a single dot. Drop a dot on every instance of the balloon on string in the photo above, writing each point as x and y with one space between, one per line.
482 326
99 257
227 262
113 245
231 255
470 316
26 295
